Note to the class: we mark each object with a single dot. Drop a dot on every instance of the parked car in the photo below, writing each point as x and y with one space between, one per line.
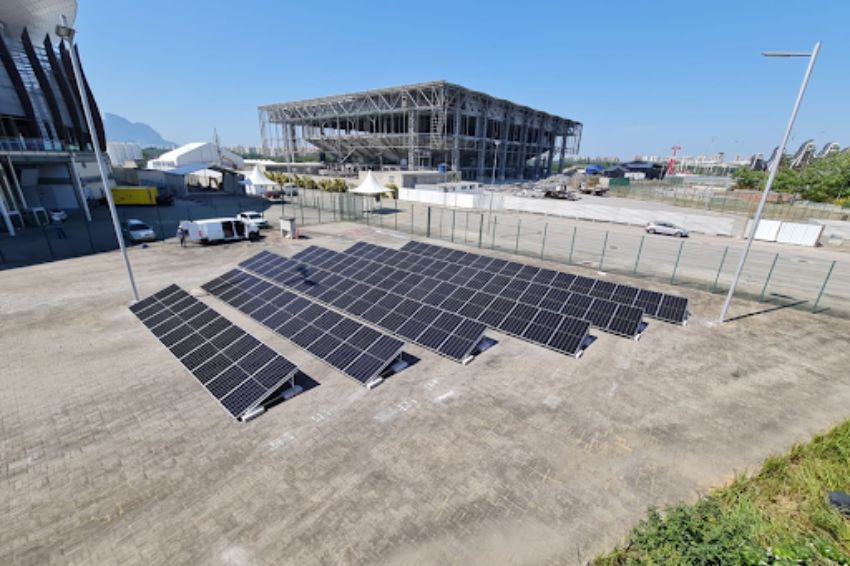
290 190
273 194
666 228
255 217
220 230
57 215
136 231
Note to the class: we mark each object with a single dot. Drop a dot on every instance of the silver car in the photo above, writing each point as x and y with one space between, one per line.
136 231
666 228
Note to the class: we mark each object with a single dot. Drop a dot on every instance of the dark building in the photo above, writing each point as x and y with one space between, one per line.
46 150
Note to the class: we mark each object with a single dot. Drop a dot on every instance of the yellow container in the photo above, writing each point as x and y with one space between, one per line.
134 196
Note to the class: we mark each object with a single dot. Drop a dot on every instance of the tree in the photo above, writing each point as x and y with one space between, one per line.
748 179
393 188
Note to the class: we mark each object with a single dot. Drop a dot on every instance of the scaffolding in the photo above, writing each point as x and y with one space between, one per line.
422 126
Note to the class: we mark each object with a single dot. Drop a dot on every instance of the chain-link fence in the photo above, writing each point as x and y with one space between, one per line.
793 277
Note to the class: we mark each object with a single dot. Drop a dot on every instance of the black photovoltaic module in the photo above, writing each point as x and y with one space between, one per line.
661 306
233 366
419 302
356 350
462 279
449 335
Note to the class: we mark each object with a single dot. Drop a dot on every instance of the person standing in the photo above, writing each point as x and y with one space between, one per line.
181 233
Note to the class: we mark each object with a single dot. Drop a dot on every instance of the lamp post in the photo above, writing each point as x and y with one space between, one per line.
774 167
66 33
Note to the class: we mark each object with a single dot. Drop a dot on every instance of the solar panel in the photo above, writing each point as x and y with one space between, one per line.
322 332
410 316
669 308
231 365
494 311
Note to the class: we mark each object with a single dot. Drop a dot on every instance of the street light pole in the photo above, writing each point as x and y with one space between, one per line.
774 168
66 33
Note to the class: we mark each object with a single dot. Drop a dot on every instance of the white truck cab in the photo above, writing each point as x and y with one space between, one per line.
219 230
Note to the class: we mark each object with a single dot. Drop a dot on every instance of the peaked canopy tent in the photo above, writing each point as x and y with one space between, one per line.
371 187
256 182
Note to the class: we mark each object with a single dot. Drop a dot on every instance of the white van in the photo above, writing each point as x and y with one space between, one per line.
219 230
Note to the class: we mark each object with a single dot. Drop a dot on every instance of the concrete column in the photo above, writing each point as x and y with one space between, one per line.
537 151
551 154
523 147
78 187
456 140
563 151
480 132
503 147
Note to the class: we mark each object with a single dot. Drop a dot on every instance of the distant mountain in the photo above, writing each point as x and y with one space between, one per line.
123 130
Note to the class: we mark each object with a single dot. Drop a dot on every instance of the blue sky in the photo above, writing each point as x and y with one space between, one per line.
641 76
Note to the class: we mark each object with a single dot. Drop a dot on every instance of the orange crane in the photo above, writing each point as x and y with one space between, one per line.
671 164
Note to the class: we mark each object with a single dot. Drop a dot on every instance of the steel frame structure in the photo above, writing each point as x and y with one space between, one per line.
420 126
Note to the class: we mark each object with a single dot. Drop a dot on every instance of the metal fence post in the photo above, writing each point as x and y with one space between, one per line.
767 279
823 287
395 215
543 245
720 269
518 223
412 225
604 245
480 229
301 206
640 249
493 240
466 228
676 267
428 224
453 225
572 245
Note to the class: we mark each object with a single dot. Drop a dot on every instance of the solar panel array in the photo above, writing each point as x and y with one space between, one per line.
233 366
489 289
317 276
564 334
356 350
661 306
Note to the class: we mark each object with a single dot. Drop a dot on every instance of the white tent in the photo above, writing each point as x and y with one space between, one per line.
370 186
256 182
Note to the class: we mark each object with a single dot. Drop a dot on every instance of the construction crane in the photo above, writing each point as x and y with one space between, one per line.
671 165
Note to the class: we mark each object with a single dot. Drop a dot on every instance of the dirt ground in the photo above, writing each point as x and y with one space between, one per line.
112 454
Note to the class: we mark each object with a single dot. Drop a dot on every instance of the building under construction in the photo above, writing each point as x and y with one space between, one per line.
423 126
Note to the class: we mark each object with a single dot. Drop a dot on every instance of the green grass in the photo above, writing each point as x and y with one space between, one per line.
778 516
